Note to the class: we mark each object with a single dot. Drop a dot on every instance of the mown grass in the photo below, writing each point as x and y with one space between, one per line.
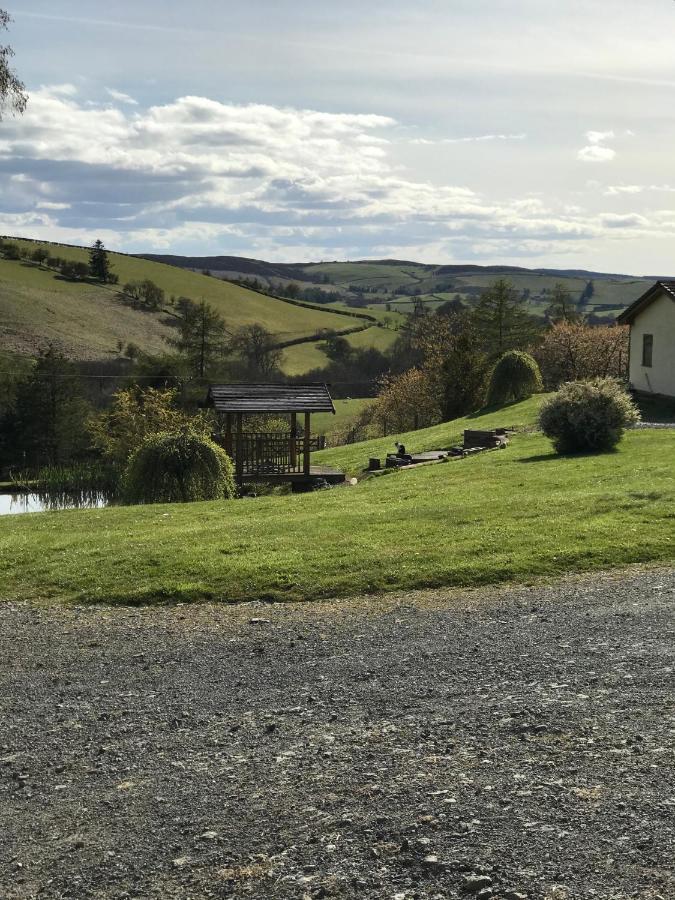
353 458
511 515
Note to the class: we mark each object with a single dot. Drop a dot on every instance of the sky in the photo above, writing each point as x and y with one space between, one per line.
530 132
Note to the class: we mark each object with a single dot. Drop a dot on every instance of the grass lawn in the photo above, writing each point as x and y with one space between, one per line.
353 458
513 514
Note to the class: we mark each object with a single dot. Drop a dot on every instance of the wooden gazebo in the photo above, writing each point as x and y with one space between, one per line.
259 454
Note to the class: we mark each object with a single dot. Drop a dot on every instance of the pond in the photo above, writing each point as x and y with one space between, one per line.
15 502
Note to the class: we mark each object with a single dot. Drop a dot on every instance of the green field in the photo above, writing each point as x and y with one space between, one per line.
345 413
511 515
353 458
304 357
86 321
612 293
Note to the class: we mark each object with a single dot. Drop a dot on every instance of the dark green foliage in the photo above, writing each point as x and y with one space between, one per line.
99 265
463 370
10 250
74 271
76 477
587 416
501 318
46 425
39 255
258 350
144 294
178 468
515 377
202 336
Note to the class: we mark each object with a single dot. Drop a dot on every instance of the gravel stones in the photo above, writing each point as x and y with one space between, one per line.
514 744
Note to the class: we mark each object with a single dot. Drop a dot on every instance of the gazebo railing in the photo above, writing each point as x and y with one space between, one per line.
268 453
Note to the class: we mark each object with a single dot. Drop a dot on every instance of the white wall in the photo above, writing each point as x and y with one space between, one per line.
658 320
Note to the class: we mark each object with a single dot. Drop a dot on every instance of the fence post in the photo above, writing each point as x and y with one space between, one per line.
239 454
306 464
294 441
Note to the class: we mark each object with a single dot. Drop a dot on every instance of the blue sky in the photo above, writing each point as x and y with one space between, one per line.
532 133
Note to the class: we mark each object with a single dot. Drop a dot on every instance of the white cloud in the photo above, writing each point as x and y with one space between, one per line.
599 137
615 190
594 153
470 140
121 97
261 180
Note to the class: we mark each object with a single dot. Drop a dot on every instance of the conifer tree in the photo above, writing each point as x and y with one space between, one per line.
99 264
202 337
502 319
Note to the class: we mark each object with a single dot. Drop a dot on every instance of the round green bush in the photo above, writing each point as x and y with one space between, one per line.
587 416
516 376
178 468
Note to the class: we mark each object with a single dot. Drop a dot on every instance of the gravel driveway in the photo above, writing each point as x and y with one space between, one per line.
508 743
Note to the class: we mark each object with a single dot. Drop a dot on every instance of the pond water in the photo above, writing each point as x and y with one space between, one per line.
15 503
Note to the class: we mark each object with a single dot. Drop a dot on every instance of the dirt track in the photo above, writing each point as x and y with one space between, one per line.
518 743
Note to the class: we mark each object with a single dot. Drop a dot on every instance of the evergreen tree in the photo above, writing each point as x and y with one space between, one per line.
203 336
587 293
47 424
99 264
502 320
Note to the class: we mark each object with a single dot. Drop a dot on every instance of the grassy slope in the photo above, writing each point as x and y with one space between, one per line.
353 458
83 320
64 309
303 357
513 514
345 413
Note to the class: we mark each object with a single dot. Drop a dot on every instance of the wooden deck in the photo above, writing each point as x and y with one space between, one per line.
299 481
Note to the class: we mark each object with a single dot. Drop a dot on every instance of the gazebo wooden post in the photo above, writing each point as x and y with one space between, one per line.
228 434
294 441
306 444
240 447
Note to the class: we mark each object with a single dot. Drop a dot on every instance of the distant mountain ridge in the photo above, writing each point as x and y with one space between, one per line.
299 271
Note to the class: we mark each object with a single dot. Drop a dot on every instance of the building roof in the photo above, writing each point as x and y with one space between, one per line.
629 315
270 398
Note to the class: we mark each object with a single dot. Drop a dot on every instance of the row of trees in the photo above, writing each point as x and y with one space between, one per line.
97 269
447 358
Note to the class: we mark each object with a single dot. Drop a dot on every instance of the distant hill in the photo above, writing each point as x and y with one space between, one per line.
397 284
88 321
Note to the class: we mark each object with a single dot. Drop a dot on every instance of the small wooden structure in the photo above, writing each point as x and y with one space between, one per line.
271 455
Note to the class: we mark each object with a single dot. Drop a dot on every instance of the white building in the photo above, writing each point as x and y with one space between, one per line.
652 340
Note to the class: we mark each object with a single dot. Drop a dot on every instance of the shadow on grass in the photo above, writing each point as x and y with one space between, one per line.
497 407
549 457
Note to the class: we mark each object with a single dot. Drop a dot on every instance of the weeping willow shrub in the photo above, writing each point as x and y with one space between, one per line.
516 376
178 468
587 416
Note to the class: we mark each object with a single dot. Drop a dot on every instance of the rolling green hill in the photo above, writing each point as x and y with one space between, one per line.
86 321
392 283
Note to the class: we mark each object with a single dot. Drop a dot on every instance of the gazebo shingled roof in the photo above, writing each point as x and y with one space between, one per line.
270 398
263 453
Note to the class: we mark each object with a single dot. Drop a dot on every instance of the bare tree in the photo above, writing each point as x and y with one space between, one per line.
13 95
